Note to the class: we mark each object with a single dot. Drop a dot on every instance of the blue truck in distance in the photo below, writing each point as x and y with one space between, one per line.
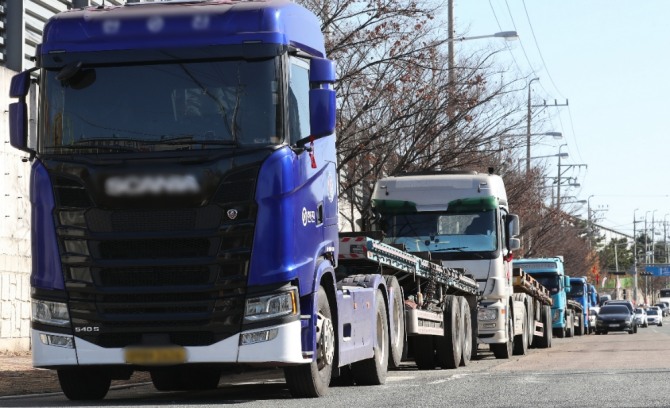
550 273
579 292
185 209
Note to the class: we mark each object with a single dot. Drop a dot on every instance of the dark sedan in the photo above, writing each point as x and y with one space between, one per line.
615 317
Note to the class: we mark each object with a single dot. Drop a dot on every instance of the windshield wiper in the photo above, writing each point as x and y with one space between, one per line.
84 146
460 249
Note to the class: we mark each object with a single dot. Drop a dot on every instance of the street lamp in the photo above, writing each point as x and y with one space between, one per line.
507 35
528 127
451 75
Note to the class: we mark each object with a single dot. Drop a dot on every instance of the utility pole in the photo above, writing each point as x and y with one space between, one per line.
451 74
528 120
634 258
558 178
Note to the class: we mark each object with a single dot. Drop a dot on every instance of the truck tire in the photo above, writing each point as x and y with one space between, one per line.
570 329
312 380
83 383
521 339
396 322
449 347
467 332
547 332
531 321
373 370
579 325
423 349
504 350
474 352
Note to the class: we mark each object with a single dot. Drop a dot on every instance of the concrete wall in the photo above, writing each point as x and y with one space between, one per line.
15 262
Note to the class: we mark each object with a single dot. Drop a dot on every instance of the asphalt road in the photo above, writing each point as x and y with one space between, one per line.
615 370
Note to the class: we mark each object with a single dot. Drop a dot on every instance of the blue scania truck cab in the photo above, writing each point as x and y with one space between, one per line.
184 199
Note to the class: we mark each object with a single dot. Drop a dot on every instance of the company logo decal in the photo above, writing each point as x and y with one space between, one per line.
232 213
308 217
151 185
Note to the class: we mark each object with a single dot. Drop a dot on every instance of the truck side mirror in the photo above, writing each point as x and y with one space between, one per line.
514 244
20 85
513 227
18 111
322 101
18 125
567 284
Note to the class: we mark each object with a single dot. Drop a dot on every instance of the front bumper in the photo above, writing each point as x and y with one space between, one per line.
284 349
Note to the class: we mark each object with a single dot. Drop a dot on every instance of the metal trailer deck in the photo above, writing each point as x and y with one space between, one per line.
365 252
525 283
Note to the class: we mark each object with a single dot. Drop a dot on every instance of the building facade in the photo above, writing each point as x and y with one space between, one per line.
21 25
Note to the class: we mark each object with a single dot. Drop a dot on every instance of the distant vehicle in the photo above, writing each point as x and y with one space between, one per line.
615 317
641 317
604 299
665 307
664 295
655 316
593 313
627 303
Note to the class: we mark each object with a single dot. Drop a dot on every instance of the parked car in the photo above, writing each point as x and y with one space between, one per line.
641 317
593 313
665 307
615 317
655 316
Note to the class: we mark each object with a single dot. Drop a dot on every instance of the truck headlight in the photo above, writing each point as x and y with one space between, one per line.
486 314
51 313
270 306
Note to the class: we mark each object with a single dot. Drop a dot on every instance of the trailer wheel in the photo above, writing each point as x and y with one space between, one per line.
423 350
545 340
396 323
570 321
504 350
449 347
474 352
579 325
84 383
312 380
521 340
373 370
467 332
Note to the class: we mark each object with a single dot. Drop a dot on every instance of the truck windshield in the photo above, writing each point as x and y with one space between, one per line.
159 107
665 293
551 282
440 232
576 291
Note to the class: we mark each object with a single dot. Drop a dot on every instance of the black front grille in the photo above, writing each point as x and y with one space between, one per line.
155 276
154 248
171 275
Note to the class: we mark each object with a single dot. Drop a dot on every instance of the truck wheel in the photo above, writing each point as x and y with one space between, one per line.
467 332
547 332
373 370
449 347
312 380
396 323
521 340
530 326
84 383
570 330
424 352
579 326
504 350
474 352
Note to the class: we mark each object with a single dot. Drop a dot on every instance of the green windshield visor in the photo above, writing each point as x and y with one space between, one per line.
472 205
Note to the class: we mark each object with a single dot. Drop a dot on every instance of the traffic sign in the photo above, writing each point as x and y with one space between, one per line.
658 269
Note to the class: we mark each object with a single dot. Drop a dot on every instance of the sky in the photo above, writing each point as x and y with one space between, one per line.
609 59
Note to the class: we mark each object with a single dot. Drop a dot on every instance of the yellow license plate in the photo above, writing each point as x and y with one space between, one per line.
155 356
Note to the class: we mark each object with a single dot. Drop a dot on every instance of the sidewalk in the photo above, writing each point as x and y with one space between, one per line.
18 377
